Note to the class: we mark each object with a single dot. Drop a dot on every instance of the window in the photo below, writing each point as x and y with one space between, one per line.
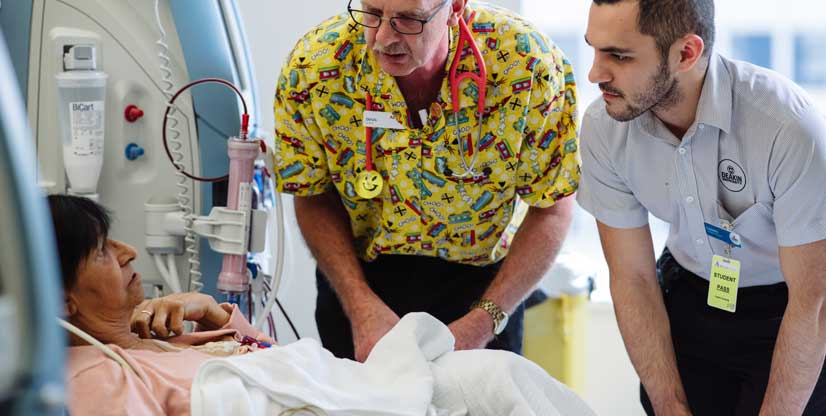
570 45
754 48
810 59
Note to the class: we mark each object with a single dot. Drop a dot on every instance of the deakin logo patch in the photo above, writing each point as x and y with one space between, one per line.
731 175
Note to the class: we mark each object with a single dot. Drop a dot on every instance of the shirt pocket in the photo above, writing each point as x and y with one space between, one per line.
755 227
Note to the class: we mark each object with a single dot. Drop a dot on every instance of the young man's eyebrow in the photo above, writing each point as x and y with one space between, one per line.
610 49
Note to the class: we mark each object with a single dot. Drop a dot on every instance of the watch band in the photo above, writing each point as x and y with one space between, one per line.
496 313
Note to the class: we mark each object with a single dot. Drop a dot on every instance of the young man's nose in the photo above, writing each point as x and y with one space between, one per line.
598 74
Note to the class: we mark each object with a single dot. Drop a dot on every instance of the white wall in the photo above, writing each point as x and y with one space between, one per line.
611 385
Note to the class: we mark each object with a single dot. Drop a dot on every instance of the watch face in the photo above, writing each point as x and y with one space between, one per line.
502 324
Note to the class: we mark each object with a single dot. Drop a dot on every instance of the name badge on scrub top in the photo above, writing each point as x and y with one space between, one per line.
723 281
381 119
725 272
726 236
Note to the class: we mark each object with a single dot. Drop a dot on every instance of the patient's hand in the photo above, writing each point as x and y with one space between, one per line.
165 315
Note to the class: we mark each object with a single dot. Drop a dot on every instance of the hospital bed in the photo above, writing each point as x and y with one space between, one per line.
31 346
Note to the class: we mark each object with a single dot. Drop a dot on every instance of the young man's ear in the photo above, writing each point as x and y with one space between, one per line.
457 9
69 305
686 52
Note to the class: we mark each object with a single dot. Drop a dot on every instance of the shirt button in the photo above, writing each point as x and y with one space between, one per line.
681 150
699 241
701 126
689 199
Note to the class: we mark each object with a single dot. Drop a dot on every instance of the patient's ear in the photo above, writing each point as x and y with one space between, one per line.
69 305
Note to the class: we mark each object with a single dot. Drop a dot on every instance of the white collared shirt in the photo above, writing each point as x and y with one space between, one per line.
755 157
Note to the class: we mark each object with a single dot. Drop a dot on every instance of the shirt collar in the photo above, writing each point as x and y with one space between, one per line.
714 107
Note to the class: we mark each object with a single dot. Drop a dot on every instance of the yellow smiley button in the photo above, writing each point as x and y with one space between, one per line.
368 184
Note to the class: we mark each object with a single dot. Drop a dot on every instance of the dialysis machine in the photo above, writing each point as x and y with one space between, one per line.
106 87
97 77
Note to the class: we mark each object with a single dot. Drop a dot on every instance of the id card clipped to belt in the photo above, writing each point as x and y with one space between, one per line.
725 272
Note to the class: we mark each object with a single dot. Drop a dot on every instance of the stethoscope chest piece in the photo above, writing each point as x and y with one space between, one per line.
369 184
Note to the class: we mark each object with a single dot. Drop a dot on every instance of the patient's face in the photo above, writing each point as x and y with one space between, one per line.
106 281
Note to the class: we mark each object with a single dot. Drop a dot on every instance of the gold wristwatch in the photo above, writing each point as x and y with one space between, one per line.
500 317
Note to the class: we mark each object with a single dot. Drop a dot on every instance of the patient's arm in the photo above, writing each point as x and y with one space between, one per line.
165 315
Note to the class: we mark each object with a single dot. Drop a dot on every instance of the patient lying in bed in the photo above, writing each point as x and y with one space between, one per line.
412 371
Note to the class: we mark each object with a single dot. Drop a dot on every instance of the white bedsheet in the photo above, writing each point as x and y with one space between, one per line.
411 371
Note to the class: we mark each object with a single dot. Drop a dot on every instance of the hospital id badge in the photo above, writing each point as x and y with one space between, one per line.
723 283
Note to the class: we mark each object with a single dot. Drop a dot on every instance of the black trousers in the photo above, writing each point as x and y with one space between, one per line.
724 359
414 284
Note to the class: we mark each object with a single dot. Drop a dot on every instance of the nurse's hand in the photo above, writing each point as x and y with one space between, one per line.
369 326
165 315
472 331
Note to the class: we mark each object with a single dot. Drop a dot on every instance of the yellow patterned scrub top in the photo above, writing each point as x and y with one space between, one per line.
528 147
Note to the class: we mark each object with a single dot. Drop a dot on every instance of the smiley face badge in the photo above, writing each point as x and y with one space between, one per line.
368 181
369 184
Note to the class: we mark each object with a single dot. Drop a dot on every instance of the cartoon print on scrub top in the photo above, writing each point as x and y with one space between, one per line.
528 146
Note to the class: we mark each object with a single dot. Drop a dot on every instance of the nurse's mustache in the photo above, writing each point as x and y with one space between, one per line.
394 49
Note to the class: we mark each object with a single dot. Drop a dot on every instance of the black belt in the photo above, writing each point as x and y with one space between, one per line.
675 279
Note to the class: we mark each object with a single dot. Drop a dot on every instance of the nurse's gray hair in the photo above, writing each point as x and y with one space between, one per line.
669 20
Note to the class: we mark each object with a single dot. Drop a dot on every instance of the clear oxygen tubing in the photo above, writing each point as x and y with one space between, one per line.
164 272
185 185
99 345
173 273
260 318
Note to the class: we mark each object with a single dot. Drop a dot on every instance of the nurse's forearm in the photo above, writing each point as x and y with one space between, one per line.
532 252
798 358
326 229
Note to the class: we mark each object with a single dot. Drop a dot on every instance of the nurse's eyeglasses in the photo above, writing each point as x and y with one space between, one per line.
401 24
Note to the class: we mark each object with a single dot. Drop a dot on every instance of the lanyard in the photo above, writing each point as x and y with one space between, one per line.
368 136
368 182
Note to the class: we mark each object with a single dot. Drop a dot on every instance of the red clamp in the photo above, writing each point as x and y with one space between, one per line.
248 340
132 113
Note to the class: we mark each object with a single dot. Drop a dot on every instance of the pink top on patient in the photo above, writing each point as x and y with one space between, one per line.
98 385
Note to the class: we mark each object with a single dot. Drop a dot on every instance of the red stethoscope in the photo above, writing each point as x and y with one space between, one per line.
369 183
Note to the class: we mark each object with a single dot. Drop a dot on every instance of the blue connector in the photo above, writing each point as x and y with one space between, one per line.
133 151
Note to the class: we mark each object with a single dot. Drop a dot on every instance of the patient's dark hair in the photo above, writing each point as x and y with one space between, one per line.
80 225
669 20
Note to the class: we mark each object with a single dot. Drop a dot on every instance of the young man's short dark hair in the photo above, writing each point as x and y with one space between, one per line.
668 20
80 225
